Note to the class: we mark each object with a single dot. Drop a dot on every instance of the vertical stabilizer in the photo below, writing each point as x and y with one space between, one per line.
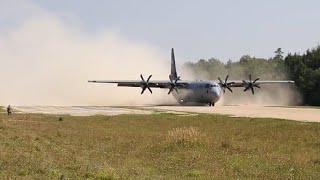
173 75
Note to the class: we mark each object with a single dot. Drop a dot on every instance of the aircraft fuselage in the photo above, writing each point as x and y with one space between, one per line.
204 92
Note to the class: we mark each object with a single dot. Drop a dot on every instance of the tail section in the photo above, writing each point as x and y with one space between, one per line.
173 75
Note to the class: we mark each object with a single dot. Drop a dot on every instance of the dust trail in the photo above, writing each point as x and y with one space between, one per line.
268 95
47 61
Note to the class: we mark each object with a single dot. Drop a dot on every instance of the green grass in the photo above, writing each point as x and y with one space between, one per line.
158 146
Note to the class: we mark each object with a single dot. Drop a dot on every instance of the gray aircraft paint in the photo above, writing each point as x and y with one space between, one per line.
173 74
204 92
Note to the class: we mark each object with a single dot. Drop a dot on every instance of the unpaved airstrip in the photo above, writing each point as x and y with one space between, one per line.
78 110
289 113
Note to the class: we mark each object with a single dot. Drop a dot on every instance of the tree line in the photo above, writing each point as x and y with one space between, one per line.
304 69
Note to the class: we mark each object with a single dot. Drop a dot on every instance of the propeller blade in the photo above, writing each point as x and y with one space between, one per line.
142 78
250 84
244 82
173 88
177 80
256 80
173 85
225 85
170 90
144 84
143 89
226 79
149 78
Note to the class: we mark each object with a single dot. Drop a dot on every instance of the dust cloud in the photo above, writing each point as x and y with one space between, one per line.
269 95
47 61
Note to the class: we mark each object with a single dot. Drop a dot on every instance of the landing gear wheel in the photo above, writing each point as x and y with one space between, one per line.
211 104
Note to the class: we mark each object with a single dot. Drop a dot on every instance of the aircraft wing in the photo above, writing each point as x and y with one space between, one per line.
139 83
243 84
247 84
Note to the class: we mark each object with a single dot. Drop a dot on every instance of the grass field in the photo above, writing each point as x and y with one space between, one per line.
159 146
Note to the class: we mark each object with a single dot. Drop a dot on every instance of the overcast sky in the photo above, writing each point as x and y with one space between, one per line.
196 29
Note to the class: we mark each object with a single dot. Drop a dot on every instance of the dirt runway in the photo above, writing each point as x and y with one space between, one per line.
290 113
79 110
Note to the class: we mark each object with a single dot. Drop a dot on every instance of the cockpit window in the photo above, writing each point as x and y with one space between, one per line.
207 86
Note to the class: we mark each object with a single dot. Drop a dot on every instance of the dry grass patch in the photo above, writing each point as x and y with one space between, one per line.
185 136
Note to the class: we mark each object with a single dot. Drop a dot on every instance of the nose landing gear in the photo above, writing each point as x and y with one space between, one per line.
211 104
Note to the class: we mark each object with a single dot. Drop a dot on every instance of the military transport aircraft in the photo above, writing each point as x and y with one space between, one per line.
200 91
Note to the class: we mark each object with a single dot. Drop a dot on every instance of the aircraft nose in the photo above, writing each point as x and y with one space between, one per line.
215 94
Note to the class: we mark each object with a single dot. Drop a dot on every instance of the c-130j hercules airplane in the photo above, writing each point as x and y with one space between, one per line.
200 92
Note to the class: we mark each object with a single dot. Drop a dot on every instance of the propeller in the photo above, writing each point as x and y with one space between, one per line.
250 84
225 85
173 85
145 84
